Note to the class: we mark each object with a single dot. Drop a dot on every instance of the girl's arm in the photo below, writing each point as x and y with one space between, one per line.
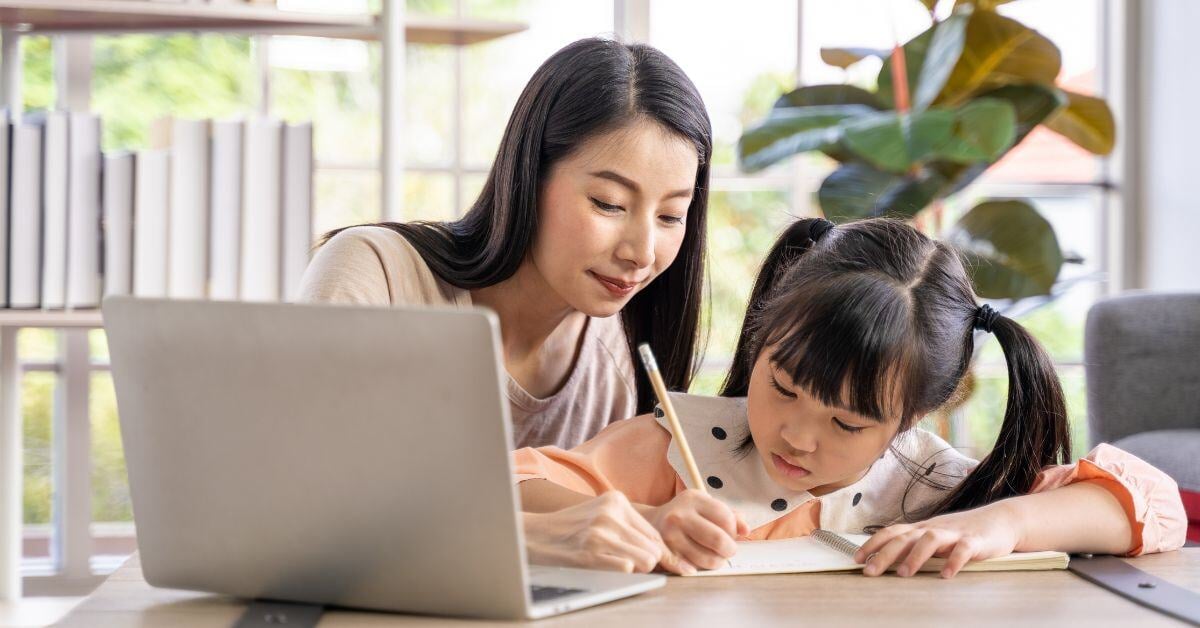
1109 502
1083 517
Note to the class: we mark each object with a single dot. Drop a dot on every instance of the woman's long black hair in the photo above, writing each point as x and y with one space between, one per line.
588 88
876 317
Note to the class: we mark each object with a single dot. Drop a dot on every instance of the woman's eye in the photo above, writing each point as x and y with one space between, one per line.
606 207
846 427
780 389
672 220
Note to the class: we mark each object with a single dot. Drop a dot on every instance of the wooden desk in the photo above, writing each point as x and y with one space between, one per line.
1055 598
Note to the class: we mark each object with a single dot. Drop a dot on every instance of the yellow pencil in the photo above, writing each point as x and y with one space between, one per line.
664 400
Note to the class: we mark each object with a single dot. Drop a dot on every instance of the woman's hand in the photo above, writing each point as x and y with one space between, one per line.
603 532
958 537
701 530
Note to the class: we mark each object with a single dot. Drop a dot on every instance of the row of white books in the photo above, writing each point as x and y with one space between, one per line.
214 209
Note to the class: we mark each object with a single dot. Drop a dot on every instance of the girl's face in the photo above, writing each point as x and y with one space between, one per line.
804 444
612 216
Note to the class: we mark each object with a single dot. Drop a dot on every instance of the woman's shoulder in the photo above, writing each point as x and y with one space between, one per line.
374 265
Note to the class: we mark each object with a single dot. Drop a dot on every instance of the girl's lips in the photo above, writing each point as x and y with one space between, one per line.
788 469
615 287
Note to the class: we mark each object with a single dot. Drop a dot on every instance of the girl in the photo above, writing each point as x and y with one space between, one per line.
852 335
587 239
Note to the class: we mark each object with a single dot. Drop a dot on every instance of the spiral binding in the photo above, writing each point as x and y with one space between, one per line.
836 541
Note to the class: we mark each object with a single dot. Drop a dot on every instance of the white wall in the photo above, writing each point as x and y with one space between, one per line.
1169 145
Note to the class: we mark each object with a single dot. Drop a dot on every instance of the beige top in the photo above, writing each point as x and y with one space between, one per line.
377 266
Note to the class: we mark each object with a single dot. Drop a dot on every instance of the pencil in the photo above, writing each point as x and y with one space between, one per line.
664 400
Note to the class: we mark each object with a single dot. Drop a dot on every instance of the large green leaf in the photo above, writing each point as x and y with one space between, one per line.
945 47
1000 51
979 131
1087 121
793 130
856 191
914 60
846 57
986 5
984 129
1032 104
817 95
1010 248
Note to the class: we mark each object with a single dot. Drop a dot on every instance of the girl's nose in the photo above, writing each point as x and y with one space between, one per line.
801 440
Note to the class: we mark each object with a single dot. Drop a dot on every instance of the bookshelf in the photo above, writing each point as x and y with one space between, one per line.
74 20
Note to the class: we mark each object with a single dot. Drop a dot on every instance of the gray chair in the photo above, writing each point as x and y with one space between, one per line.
1142 358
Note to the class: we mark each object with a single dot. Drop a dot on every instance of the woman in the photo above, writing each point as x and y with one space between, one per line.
595 206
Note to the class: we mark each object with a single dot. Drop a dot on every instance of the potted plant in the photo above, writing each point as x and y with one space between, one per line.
949 103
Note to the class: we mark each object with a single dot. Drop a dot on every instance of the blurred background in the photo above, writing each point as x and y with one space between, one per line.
1106 184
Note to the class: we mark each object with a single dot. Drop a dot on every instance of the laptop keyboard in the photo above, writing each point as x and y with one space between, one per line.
542 594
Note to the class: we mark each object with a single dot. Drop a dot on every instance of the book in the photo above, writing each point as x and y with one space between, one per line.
55 171
83 212
118 223
25 214
5 133
187 251
261 211
150 202
297 206
825 551
225 239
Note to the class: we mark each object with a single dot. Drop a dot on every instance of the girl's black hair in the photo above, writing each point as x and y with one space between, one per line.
878 318
588 88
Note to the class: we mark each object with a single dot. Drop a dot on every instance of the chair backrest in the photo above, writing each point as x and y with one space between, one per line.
1142 358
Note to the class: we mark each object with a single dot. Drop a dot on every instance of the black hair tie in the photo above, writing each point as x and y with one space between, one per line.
819 228
985 318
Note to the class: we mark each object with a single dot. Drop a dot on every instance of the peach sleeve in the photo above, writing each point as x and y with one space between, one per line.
628 456
1149 497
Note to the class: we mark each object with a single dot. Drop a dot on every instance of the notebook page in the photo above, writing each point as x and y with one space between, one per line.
796 555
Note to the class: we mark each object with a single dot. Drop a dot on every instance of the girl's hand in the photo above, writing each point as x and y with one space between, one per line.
959 537
604 532
699 529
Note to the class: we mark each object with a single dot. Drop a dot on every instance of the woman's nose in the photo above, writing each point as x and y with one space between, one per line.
637 244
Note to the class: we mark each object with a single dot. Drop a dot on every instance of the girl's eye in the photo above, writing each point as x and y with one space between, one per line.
780 389
606 207
847 428
672 220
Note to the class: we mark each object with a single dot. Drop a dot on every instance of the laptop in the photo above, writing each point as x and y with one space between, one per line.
343 456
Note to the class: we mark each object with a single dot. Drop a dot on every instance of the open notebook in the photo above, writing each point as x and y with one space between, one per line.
830 551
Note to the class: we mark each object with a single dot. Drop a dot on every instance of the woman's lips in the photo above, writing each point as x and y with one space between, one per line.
788 469
615 287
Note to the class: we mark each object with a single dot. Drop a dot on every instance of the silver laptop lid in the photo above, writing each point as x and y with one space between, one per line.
341 455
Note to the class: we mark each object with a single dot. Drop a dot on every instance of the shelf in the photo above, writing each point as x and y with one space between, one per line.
50 318
54 17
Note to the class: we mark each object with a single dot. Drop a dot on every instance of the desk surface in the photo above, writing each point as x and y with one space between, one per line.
1030 598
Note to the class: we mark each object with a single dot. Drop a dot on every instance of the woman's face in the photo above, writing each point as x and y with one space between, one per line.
804 444
612 216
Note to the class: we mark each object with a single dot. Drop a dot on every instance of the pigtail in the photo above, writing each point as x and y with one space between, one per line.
798 238
1034 433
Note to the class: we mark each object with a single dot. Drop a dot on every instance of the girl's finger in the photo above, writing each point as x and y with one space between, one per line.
707 534
890 553
921 551
719 514
694 553
878 540
961 555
